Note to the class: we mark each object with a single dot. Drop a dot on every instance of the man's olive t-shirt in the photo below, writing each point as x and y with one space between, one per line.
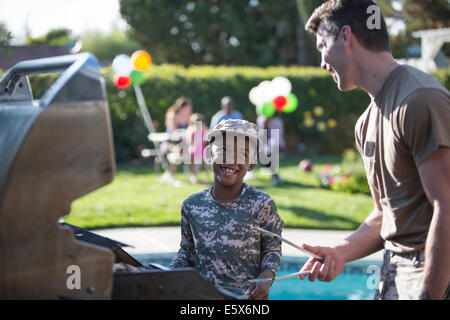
403 125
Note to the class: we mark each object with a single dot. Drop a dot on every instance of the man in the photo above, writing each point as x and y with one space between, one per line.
226 113
404 139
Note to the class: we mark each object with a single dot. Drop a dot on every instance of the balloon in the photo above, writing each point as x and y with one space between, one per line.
141 60
279 102
291 103
121 81
254 96
259 109
122 65
137 77
265 91
274 91
281 86
268 109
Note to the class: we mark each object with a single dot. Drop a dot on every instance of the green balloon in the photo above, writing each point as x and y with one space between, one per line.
268 109
137 77
291 104
259 109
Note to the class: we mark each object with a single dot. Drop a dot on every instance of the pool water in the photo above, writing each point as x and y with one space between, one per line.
356 282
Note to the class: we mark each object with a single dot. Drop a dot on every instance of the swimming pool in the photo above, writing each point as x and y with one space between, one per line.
356 282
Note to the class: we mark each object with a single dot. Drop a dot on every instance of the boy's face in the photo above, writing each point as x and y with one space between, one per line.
231 159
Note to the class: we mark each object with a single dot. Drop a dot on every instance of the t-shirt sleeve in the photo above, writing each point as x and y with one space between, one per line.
271 246
185 255
359 130
424 122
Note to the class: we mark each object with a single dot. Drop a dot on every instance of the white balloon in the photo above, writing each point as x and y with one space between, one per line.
266 92
253 95
281 86
122 65
258 96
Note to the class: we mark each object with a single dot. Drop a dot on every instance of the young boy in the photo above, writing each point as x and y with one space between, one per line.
218 235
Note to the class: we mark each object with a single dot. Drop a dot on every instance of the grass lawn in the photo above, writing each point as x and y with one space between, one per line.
137 198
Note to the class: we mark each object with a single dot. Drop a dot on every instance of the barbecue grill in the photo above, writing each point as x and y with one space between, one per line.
52 151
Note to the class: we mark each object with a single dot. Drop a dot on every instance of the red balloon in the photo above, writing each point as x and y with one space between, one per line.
122 82
279 102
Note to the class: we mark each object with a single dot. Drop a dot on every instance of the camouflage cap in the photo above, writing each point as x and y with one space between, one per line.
236 127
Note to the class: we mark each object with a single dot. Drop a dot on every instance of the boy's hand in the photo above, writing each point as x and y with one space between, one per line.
260 291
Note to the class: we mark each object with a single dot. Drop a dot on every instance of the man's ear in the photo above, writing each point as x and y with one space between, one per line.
251 166
346 34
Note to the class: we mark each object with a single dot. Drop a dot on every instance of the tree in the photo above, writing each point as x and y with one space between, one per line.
415 15
5 39
5 35
55 37
214 32
426 14
106 46
307 53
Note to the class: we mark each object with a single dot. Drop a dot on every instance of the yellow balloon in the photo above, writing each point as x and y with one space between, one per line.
141 60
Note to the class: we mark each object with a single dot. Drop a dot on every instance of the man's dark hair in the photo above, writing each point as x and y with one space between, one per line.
335 14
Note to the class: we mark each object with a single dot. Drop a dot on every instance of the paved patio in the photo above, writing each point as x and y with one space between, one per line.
167 239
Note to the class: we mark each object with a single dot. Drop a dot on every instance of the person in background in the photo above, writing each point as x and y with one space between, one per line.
176 120
275 141
227 112
196 143
177 116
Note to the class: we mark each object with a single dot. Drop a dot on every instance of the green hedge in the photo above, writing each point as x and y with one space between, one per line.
206 85
443 75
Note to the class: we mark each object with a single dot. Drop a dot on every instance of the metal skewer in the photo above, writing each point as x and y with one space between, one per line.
292 275
289 242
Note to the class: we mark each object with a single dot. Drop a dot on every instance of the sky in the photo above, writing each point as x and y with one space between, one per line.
41 16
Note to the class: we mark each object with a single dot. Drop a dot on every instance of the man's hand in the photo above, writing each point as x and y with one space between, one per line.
331 266
364 241
260 291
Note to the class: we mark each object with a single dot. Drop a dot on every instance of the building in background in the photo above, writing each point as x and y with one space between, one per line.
431 56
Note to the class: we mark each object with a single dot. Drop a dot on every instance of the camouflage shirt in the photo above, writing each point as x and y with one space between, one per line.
218 239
